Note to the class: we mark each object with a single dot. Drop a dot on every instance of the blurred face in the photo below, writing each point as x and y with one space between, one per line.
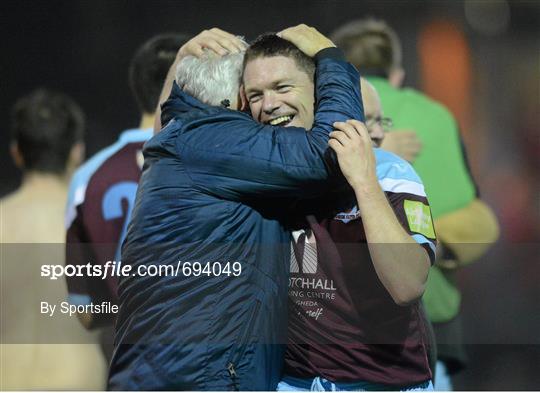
372 112
278 92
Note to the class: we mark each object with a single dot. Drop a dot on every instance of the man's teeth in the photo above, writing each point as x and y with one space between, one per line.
280 119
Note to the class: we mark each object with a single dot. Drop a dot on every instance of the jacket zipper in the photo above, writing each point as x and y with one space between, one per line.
241 347
232 373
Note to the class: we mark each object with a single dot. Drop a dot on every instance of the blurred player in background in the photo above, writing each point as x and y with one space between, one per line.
102 191
465 226
42 352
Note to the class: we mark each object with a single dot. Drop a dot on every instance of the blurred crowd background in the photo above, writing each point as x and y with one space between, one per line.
481 58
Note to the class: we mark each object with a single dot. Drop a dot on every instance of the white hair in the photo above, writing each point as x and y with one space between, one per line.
211 78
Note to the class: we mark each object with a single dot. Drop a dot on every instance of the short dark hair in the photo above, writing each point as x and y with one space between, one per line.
149 67
45 125
370 45
270 45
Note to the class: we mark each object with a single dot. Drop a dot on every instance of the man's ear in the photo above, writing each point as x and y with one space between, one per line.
16 155
76 155
396 77
243 99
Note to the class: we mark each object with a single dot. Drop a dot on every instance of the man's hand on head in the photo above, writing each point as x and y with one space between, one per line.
307 39
404 143
217 40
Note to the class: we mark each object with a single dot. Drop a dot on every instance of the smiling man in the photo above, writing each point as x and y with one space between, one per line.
278 83
355 322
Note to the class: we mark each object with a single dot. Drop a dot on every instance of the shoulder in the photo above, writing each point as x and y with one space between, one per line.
423 104
216 122
89 168
397 175
391 165
409 100
10 200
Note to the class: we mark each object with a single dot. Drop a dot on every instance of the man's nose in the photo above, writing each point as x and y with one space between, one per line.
270 103
376 133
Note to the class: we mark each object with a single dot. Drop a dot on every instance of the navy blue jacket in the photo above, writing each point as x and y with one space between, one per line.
215 189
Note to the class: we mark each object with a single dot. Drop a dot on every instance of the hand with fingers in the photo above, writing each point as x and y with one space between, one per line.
404 143
217 40
352 144
307 39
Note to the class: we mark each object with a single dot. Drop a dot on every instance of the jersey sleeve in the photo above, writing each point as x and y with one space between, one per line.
75 252
407 196
80 250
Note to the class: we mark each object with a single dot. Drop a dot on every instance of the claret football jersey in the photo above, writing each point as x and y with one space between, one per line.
343 324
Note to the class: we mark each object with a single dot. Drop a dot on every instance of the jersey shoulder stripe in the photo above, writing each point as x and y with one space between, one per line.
397 175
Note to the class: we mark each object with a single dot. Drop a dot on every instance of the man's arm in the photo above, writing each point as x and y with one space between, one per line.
234 157
79 251
467 233
401 263
76 252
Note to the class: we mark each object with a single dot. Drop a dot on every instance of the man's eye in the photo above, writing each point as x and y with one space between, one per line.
254 98
373 120
283 88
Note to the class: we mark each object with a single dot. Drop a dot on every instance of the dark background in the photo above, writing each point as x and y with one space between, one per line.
83 48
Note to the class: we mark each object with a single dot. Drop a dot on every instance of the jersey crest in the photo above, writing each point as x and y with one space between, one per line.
352 214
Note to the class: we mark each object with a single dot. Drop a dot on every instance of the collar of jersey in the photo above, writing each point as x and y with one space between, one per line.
136 135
